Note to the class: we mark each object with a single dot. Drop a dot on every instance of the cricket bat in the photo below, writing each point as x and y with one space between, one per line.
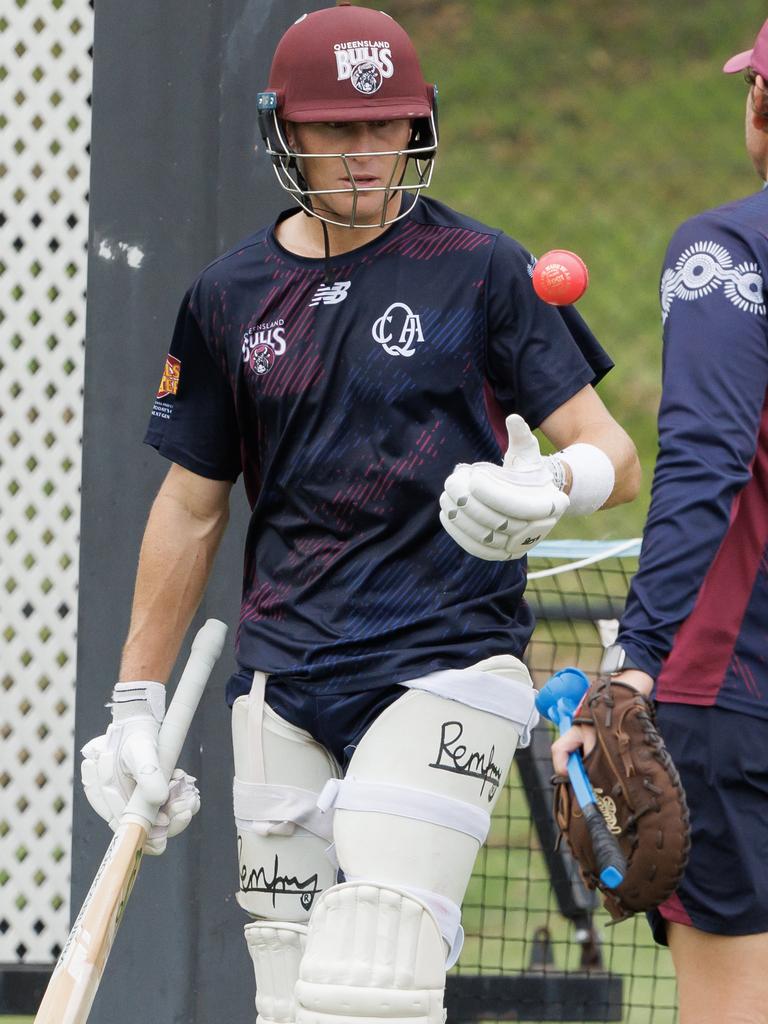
78 971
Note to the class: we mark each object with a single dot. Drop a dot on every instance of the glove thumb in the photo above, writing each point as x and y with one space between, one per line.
523 446
139 757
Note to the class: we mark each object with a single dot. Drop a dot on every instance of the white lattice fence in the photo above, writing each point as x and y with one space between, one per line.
45 82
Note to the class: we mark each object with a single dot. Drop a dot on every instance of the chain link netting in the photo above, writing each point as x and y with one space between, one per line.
528 919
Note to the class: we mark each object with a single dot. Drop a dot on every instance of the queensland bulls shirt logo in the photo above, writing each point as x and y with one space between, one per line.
262 359
398 329
262 344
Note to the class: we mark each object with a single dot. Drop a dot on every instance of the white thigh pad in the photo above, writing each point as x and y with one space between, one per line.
374 954
415 805
282 838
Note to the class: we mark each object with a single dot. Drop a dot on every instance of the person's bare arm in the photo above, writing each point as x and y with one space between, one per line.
183 532
584 419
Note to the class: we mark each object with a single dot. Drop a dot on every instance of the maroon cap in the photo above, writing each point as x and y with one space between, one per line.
348 64
756 58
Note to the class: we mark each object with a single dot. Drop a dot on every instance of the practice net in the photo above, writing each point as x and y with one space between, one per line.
538 945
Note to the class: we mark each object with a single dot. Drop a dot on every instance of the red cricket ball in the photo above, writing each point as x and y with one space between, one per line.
560 277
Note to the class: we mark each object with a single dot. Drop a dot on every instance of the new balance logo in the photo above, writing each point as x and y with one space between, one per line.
329 295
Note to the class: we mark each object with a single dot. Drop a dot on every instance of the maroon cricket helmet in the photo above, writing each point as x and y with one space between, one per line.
756 58
348 63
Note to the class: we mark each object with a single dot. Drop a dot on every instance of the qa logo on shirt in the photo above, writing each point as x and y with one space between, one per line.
398 329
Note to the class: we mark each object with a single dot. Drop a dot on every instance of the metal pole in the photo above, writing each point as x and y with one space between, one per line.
174 182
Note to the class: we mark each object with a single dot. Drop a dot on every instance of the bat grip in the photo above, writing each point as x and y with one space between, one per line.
612 865
206 648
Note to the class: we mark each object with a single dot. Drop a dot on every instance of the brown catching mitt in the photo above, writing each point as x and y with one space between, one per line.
638 790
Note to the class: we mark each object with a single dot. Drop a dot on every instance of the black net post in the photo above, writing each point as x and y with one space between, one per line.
175 181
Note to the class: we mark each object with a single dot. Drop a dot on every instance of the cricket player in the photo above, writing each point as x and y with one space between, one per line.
694 632
356 361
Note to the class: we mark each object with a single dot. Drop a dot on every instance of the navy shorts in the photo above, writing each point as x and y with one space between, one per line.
722 757
336 720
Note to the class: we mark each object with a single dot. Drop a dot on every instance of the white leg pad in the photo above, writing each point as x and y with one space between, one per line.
415 805
374 955
276 951
282 839
437 746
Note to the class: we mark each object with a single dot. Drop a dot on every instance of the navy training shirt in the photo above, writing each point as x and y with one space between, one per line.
697 614
346 405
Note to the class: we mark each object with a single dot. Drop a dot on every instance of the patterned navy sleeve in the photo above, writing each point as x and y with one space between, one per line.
715 373
539 355
193 421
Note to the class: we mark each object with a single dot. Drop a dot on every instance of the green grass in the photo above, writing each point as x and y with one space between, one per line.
597 127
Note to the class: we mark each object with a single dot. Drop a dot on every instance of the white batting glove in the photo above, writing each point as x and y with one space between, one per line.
501 512
126 756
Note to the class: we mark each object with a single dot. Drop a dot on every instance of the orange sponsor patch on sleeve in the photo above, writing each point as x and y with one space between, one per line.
169 382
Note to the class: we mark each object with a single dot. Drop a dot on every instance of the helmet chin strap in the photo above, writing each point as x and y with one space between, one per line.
310 212
328 273
328 278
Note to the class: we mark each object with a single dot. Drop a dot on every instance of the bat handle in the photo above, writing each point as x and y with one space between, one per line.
612 865
572 684
206 648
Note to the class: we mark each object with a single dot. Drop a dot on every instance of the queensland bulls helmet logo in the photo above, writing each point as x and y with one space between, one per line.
365 63
366 78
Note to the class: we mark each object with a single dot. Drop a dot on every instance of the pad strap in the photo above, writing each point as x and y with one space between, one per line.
268 809
271 809
486 691
406 802
256 720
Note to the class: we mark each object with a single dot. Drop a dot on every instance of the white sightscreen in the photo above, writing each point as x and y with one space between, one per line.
45 83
